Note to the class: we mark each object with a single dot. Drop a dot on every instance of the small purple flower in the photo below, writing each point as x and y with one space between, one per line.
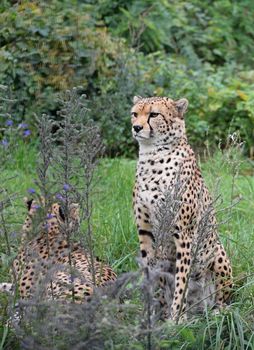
31 190
4 142
23 125
50 216
26 133
9 122
60 197
66 187
35 206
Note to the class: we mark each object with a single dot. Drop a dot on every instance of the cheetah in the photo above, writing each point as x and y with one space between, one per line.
47 260
165 157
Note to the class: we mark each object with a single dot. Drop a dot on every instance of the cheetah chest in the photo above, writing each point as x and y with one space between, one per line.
156 176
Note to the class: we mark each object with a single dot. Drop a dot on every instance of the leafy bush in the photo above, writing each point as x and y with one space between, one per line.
46 48
221 100
117 49
216 32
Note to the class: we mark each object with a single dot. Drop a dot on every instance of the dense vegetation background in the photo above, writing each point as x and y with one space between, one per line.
202 50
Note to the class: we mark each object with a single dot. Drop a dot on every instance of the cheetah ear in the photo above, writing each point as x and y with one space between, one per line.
136 99
28 202
61 213
181 106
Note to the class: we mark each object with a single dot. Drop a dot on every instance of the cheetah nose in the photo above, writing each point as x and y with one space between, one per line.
137 128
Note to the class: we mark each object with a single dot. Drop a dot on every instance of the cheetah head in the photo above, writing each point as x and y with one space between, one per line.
158 120
56 211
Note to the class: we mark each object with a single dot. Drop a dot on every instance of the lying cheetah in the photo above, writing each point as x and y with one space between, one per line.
48 259
165 157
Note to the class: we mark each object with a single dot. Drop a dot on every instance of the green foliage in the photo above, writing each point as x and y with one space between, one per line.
216 32
49 47
221 100
117 49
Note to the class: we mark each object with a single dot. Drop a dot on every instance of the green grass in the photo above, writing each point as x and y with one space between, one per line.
114 227
116 240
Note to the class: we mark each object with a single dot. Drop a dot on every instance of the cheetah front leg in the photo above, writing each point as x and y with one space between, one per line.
146 242
144 226
183 264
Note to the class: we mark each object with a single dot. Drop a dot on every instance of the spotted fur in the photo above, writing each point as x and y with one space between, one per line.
46 260
165 157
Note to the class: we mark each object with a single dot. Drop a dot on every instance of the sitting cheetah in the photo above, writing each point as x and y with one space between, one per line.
49 258
165 158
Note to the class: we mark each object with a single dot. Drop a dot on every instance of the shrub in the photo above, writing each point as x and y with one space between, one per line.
46 48
116 50
216 32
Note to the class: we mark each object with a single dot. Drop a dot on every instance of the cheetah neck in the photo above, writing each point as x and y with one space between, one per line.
159 149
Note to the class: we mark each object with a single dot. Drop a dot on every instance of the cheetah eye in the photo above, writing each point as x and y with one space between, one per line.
153 115
134 114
